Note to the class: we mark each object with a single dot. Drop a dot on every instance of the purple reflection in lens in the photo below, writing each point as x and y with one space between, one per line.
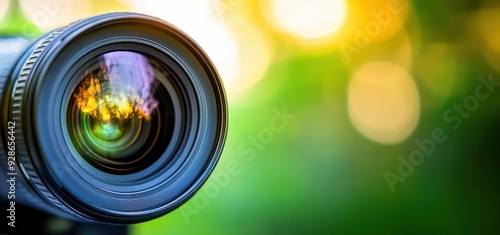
131 75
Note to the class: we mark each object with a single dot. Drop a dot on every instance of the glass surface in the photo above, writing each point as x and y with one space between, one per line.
114 113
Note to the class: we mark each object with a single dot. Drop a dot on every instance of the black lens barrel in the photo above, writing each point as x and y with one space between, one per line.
53 173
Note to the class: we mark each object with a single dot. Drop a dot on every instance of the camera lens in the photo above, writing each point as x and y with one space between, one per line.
118 118
119 114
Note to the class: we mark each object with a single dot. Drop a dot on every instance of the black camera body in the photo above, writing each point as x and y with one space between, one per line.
118 118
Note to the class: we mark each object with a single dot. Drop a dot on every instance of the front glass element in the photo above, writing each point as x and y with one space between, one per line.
119 114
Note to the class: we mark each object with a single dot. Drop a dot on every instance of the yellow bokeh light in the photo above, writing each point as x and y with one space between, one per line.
488 20
310 19
377 20
101 7
383 102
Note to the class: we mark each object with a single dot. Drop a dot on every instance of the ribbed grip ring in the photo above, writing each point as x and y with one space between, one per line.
19 92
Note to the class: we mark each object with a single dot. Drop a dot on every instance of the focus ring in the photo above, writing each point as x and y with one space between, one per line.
18 99
10 60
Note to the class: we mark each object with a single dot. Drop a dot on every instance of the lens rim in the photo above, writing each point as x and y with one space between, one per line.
45 151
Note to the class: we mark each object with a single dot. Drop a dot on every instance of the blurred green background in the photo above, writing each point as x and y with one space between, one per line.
346 116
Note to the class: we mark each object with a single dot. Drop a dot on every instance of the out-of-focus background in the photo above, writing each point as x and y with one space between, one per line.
346 116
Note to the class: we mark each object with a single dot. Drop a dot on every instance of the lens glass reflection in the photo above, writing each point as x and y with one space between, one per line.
118 110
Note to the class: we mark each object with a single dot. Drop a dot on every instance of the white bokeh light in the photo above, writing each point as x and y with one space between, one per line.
4 6
310 19
255 52
48 15
197 19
